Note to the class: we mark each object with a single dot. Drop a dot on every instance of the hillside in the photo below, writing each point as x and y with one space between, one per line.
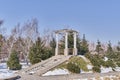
98 64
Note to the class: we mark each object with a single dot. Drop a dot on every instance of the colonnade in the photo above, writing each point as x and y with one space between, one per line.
66 50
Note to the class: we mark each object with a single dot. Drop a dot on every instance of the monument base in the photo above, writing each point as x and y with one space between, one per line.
56 51
75 51
66 52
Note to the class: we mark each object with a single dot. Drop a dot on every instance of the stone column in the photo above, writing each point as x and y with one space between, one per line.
66 44
75 41
56 49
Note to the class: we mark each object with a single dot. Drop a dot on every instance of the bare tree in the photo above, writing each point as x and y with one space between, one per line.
30 33
23 37
47 36
2 29
30 29
1 37
15 33
1 22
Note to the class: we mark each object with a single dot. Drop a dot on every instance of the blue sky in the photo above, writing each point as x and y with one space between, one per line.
98 19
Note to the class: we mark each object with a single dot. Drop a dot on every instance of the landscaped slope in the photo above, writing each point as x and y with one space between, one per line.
89 64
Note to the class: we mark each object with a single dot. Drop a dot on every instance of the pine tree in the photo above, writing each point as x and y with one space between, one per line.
118 47
53 46
78 45
98 47
109 48
84 46
36 51
13 61
110 53
70 40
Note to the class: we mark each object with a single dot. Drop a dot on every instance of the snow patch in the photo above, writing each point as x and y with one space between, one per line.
105 58
5 72
117 69
106 70
24 65
57 72
3 66
89 66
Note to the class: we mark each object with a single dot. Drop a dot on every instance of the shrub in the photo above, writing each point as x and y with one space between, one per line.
118 63
102 62
111 55
80 62
88 55
109 63
96 60
73 68
96 69
13 61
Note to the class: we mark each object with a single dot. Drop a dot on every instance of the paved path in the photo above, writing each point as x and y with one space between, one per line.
68 77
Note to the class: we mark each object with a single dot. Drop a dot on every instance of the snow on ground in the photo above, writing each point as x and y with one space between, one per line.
24 65
105 58
106 70
89 67
57 72
117 69
3 66
5 72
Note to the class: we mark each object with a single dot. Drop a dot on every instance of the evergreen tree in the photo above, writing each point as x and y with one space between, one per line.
13 61
70 40
70 43
118 46
78 45
98 47
47 53
36 51
53 46
84 46
110 53
109 48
